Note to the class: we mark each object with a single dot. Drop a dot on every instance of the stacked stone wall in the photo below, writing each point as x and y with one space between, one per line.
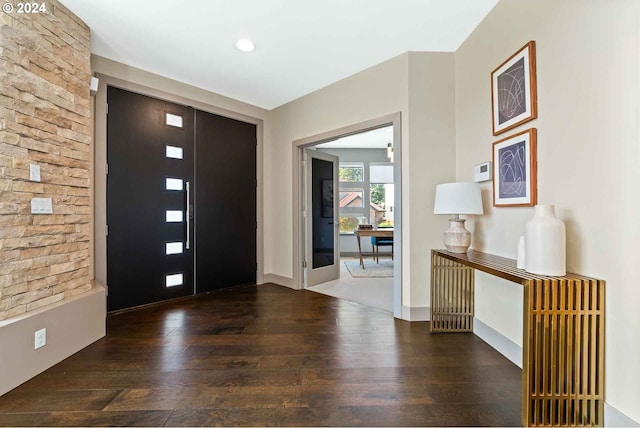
45 120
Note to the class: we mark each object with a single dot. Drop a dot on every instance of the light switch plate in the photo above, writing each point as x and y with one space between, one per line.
41 206
34 172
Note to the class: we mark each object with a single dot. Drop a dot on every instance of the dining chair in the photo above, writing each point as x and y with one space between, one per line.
378 242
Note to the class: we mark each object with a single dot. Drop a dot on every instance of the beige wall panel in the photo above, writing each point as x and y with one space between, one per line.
71 325
432 136
588 157
378 91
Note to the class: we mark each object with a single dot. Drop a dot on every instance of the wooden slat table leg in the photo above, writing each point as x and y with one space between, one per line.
563 334
563 355
451 296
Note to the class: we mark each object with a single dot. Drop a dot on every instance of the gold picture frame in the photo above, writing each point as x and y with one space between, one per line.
515 172
514 91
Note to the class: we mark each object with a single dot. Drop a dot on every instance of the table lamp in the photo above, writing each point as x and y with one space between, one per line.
458 198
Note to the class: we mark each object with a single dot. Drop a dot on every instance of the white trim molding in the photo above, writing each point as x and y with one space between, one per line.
497 341
615 418
422 313
279 280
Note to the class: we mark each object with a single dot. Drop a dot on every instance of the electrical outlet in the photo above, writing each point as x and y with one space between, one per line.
40 338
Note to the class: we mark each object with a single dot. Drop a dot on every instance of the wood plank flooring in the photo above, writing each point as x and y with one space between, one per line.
270 356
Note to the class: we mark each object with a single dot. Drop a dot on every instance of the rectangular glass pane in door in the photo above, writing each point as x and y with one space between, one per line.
323 218
321 204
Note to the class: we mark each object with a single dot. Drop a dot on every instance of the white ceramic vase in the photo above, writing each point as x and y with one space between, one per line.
545 243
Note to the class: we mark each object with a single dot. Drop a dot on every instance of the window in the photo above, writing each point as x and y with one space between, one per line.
381 212
174 216
366 194
173 152
173 184
173 248
381 173
351 198
173 120
173 280
348 224
377 194
351 173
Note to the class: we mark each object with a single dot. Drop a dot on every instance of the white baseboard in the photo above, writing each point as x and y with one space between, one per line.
71 325
615 418
422 313
280 280
350 254
499 342
386 253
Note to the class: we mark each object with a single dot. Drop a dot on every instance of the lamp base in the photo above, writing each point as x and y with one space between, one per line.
457 239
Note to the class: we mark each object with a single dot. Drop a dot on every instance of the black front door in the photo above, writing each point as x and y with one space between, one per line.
150 168
161 215
225 202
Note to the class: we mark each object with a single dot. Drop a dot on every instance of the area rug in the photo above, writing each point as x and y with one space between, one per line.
384 269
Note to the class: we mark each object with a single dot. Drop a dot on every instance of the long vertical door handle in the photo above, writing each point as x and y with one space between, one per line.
186 245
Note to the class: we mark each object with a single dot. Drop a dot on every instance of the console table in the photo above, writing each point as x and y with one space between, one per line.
563 333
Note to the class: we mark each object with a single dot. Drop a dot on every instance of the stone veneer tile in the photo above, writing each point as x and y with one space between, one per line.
45 119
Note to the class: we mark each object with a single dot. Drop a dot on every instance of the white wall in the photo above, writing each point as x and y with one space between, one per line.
420 86
71 325
588 159
431 136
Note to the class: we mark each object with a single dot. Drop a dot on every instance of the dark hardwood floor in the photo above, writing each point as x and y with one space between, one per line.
271 356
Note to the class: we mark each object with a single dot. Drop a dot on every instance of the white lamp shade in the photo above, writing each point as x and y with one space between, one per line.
458 198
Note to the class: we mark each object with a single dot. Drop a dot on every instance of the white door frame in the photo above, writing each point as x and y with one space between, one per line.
394 120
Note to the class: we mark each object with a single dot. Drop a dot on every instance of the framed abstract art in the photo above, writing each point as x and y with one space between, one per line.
515 170
513 90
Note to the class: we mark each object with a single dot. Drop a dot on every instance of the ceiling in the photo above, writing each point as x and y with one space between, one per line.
301 45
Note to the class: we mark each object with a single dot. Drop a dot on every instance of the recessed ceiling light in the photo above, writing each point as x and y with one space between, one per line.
245 45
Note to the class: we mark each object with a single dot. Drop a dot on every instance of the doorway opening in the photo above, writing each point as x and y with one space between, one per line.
368 196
